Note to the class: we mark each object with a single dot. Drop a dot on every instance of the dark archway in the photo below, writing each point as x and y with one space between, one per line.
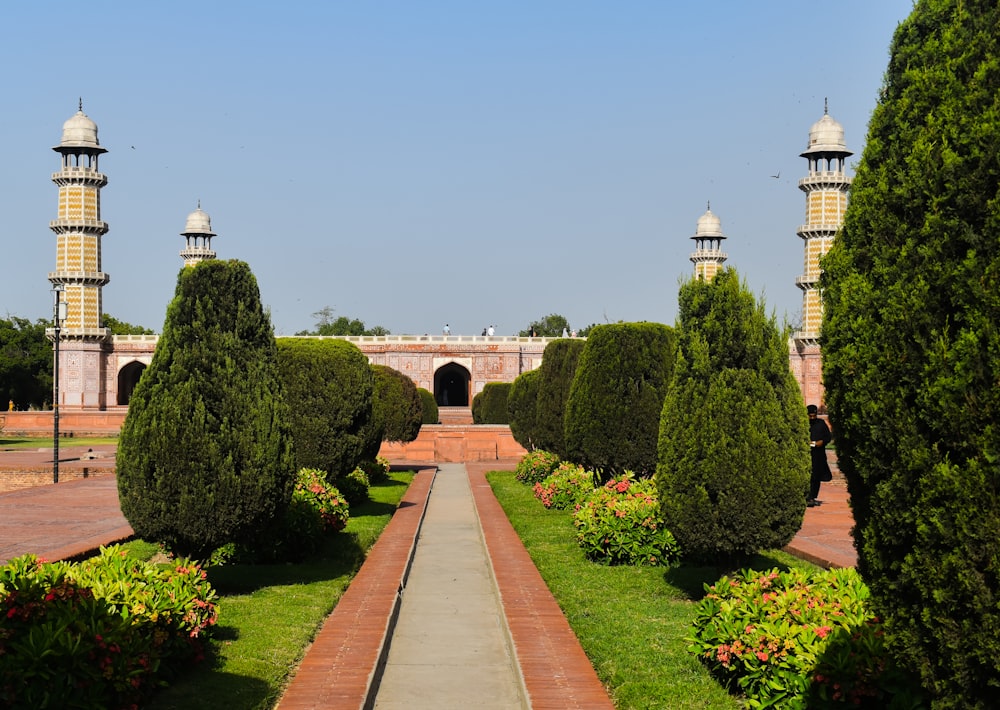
451 386
128 377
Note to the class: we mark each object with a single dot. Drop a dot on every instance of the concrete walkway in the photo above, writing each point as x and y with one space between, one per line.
449 648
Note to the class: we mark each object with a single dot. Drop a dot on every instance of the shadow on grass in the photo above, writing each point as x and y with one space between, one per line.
243 691
691 579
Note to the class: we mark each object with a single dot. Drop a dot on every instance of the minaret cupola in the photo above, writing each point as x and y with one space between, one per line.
708 255
198 233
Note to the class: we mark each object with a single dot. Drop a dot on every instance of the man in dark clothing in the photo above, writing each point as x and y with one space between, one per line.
819 437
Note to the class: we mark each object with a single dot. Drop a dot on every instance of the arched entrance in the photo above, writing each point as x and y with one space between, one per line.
451 385
128 377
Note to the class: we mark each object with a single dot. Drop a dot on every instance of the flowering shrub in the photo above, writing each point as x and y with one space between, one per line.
535 466
565 487
799 640
101 633
619 523
377 470
313 491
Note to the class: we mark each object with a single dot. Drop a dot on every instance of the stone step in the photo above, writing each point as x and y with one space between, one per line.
455 415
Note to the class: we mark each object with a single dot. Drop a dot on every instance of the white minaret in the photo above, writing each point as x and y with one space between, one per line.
198 233
79 228
708 255
826 189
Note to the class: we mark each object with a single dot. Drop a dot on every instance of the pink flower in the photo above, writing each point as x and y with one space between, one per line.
762 655
822 631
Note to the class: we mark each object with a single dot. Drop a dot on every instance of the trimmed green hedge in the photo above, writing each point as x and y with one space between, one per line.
490 405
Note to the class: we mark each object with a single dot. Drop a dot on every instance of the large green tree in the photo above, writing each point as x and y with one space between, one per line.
397 412
613 410
550 326
733 462
327 324
522 409
205 453
911 350
329 388
556 377
25 363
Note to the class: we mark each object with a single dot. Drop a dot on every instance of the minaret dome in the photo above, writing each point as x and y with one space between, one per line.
708 255
198 233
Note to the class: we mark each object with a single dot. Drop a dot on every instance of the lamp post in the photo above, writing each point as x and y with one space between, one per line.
58 316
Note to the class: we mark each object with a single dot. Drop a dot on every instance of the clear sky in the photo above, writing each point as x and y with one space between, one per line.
415 163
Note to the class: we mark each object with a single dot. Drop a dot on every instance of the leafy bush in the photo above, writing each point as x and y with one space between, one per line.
102 633
398 406
377 470
535 466
557 370
313 490
490 405
619 524
429 407
354 486
911 349
522 400
566 487
329 387
799 640
613 410
205 454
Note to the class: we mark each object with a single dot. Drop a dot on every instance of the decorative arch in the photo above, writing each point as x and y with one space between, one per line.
128 378
452 384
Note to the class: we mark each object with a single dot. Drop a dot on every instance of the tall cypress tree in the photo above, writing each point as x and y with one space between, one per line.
733 456
613 409
328 385
205 453
911 349
557 370
522 408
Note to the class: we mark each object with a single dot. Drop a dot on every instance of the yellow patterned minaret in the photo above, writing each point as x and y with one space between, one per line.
78 228
826 189
708 255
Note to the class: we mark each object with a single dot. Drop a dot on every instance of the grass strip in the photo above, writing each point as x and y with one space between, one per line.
36 442
631 621
269 614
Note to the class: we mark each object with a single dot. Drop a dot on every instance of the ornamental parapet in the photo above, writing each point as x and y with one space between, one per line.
709 255
75 176
820 229
64 226
806 282
88 278
830 179
66 333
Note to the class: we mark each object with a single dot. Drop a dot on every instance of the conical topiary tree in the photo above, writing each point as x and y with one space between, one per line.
397 412
614 404
521 408
205 453
734 462
557 371
329 387
911 350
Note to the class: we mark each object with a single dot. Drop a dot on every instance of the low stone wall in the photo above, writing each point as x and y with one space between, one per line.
71 423
11 480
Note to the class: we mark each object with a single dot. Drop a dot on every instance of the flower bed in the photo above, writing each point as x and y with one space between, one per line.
100 633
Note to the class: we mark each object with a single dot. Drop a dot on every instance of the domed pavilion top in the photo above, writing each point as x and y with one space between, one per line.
709 226
198 222
826 136
79 132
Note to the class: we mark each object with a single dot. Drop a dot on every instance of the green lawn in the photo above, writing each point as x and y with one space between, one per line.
38 442
631 621
270 613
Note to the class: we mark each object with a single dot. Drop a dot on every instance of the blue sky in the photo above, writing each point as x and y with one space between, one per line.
416 163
